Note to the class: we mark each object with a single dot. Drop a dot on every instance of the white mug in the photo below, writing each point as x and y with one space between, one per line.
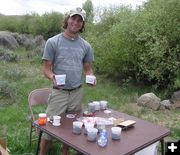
56 120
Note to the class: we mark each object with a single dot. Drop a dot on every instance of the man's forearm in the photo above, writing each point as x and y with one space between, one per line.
49 74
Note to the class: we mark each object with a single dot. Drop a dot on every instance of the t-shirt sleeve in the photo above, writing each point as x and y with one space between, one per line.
89 56
49 51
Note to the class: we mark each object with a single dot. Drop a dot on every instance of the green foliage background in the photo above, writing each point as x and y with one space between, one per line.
141 45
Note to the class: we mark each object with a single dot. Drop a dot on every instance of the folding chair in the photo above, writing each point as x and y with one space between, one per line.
35 98
150 150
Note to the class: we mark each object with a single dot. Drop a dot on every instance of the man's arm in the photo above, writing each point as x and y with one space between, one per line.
88 71
47 70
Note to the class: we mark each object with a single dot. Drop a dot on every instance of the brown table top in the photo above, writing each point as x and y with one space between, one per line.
133 139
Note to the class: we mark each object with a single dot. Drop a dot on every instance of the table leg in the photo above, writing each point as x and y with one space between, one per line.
162 146
39 140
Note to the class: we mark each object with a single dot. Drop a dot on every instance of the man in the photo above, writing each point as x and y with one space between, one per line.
66 53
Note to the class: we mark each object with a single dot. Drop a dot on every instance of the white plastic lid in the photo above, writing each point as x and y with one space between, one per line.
42 115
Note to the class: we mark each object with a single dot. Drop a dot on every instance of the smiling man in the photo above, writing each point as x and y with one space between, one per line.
70 55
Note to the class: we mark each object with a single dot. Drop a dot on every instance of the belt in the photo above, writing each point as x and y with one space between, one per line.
54 87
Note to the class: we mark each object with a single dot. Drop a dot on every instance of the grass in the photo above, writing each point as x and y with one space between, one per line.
14 113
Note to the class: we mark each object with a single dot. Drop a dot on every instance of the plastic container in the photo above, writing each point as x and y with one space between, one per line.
100 125
77 127
103 105
91 134
88 125
116 133
42 119
103 138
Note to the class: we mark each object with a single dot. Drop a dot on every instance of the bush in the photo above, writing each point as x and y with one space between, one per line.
8 90
46 25
8 55
143 45
14 74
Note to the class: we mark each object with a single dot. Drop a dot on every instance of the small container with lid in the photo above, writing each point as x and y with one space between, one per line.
42 119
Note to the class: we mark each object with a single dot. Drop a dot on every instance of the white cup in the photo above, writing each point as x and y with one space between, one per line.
90 79
116 133
88 125
103 105
56 120
91 107
77 127
97 105
92 134
100 125
60 79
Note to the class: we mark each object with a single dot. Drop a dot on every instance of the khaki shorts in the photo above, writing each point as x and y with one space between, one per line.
62 101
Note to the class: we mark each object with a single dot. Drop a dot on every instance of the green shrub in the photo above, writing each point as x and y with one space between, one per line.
8 90
143 45
8 55
14 74
47 25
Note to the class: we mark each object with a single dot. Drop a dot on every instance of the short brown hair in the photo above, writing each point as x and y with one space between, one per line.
66 24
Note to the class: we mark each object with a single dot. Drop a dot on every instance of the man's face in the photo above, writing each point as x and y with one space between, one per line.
75 23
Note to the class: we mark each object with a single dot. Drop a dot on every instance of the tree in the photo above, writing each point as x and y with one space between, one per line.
88 7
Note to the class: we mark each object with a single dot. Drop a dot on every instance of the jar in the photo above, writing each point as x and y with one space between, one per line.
42 119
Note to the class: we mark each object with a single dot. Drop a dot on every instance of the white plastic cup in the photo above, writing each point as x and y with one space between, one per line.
60 79
92 134
91 107
90 79
88 125
97 105
103 105
116 133
56 120
100 125
77 127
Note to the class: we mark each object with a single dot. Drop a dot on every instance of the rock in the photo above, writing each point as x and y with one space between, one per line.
30 42
162 107
7 40
166 104
175 99
149 100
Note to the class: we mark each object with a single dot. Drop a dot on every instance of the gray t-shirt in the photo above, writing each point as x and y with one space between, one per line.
67 57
